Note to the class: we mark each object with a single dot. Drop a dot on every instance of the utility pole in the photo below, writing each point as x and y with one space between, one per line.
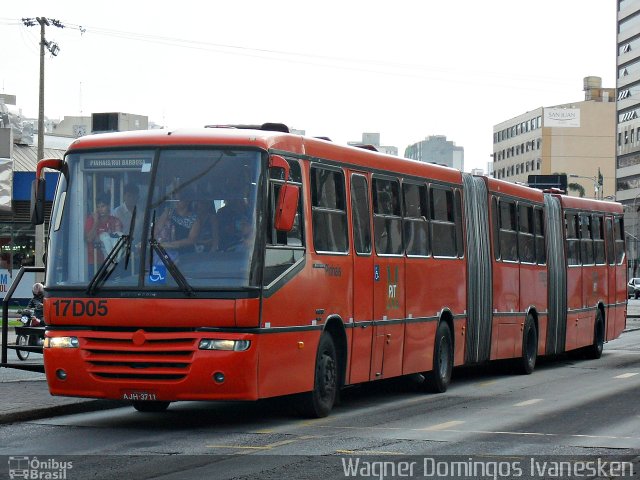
53 49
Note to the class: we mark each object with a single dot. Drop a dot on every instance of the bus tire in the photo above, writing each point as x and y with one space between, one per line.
319 402
529 347
594 351
150 406
438 379
22 340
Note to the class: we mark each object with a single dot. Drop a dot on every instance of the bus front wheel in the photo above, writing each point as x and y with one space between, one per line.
319 402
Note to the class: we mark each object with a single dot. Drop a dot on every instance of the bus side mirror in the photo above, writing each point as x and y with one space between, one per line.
38 189
37 201
286 207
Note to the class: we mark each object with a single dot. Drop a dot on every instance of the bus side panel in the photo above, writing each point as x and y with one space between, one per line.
426 299
506 334
389 313
621 299
421 306
594 278
301 307
533 293
284 366
574 306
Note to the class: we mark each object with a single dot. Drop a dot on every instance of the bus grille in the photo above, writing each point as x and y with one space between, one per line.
139 355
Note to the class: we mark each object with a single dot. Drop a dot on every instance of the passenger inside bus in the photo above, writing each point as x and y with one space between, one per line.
235 219
101 230
124 211
209 235
179 226
235 225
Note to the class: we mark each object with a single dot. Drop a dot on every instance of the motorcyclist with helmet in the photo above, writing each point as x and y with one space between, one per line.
37 302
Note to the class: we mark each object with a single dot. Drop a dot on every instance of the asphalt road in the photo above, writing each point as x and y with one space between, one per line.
568 407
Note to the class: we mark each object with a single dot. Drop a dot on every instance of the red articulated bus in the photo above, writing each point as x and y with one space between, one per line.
246 263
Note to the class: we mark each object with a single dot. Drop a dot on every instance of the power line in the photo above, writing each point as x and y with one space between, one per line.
412 70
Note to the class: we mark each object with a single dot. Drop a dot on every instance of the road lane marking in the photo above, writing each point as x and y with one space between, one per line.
485 432
443 426
367 452
487 383
626 375
255 447
528 402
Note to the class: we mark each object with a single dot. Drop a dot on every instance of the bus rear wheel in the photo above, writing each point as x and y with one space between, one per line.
529 346
438 379
151 406
319 402
594 351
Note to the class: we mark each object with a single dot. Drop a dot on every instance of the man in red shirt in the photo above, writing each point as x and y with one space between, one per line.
101 231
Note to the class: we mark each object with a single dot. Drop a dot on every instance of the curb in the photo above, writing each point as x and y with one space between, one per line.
58 410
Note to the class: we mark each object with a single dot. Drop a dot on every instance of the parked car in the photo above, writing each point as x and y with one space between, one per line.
633 288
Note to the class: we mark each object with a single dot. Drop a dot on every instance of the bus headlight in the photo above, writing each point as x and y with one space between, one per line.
229 345
61 342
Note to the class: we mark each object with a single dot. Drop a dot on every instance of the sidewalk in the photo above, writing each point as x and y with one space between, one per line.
24 395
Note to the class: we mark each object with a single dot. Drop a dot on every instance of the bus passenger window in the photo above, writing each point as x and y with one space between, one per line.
328 208
416 231
598 240
360 214
496 228
573 242
586 240
611 256
541 252
526 238
619 233
443 227
387 218
508 231
458 220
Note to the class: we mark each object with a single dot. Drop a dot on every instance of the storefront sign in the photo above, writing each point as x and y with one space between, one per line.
562 117
24 288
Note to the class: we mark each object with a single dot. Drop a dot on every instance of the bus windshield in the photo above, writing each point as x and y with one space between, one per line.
171 219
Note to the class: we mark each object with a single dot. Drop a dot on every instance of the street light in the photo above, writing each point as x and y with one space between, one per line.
597 183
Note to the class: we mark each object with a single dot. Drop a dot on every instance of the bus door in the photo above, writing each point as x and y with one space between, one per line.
506 329
363 277
575 300
388 280
611 280
621 275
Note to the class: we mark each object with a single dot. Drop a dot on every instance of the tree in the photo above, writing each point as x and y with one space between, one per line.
576 187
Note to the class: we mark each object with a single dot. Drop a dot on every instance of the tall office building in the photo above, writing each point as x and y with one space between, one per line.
575 138
437 149
628 124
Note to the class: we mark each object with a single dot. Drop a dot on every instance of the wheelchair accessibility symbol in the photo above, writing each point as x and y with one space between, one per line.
158 274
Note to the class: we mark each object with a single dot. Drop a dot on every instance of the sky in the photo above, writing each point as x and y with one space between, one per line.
406 69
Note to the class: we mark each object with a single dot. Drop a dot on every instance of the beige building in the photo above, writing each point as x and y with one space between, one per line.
575 138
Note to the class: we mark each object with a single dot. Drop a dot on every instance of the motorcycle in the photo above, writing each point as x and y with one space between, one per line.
28 340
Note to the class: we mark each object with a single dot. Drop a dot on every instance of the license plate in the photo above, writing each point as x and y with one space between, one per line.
139 396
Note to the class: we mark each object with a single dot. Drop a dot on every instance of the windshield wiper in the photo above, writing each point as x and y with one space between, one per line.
166 259
132 226
113 258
